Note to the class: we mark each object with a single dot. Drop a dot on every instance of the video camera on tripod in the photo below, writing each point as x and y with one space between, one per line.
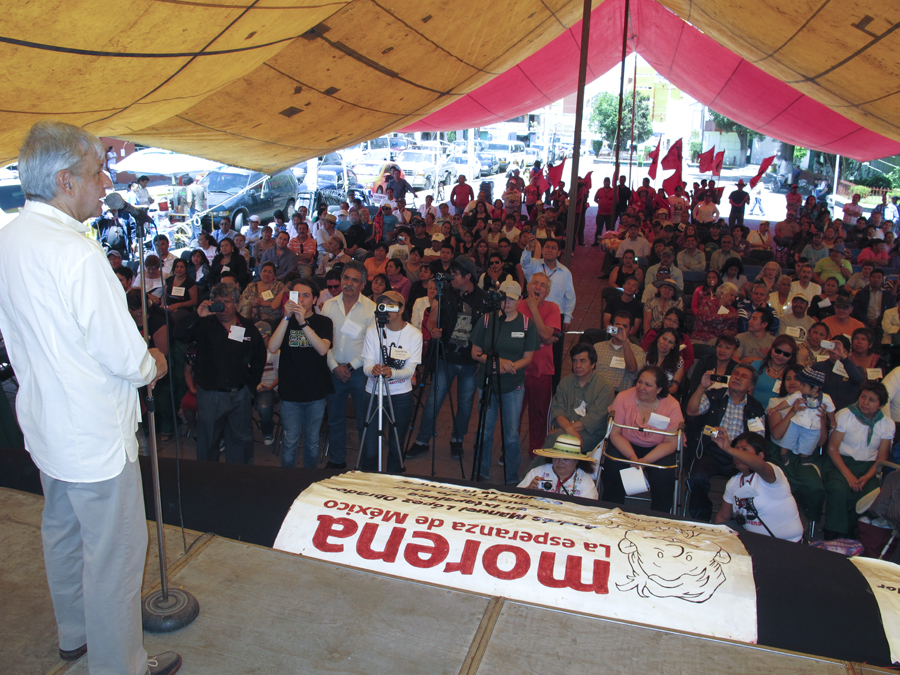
382 309
495 300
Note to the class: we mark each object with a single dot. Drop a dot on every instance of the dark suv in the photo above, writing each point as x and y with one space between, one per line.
228 197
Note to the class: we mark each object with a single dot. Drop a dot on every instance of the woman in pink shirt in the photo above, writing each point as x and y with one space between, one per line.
647 405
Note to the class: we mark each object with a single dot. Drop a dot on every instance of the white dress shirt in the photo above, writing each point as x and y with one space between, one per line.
75 348
348 340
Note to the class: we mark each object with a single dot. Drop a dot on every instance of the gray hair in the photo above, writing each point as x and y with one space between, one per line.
356 266
224 290
51 147
546 276
724 288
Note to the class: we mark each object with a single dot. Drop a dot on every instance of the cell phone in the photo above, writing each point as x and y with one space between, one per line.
294 296
217 307
712 432
719 378
827 344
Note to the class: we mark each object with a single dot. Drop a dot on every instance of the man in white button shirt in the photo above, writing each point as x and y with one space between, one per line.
79 361
351 314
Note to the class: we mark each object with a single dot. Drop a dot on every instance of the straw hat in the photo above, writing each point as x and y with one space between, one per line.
565 447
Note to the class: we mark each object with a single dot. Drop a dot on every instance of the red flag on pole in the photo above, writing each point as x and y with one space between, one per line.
587 181
673 181
378 225
543 183
554 173
766 163
707 159
655 157
672 160
717 164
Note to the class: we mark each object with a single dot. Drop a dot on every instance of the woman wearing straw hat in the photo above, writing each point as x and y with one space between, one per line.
567 471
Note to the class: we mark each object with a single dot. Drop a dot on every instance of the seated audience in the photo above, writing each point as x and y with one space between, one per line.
634 407
567 471
734 410
862 437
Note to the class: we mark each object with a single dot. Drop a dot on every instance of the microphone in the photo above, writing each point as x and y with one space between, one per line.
114 201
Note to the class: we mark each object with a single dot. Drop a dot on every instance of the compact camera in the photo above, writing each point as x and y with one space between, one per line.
827 344
545 485
217 307
612 330
719 378
712 432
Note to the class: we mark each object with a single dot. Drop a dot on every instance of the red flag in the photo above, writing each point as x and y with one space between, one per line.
766 163
587 181
655 157
543 183
378 225
717 164
670 183
707 159
554 173
672 160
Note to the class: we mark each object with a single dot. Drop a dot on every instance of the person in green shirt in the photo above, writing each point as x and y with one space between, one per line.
580 406
514 339
835 265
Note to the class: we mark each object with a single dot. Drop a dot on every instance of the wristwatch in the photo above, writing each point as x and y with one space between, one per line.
349 367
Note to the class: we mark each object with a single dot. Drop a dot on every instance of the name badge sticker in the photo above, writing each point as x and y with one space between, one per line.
617 362
236 333
178 291
267 295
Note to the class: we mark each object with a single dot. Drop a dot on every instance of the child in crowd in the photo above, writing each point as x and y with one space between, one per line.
807 407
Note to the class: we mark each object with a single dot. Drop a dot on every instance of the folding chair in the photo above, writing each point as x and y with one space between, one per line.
601 454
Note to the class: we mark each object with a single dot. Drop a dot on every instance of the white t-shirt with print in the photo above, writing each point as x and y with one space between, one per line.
773 503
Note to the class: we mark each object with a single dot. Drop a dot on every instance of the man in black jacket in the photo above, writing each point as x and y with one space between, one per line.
231 356
871 302
733 409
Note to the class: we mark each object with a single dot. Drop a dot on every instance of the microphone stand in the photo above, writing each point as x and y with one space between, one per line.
165 610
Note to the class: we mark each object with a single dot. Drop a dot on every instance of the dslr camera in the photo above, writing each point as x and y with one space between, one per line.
495 300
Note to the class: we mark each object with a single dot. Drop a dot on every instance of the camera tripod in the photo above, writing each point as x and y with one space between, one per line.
380 393
490 385
436 359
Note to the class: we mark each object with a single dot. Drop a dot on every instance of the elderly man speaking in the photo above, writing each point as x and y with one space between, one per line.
79 361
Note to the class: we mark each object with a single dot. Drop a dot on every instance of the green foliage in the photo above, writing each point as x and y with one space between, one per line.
745 134
694 149
860 190
605 114
799 154
451 136
877 181
597 146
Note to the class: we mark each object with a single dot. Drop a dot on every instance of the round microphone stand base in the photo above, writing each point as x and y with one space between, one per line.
166 615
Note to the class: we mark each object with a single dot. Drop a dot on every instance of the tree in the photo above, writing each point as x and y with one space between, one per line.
605 113
745 136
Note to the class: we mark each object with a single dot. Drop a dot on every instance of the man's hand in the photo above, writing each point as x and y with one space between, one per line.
437 332
722 440
706 380
342 373
291 307
162 366
508 367
203 309
532 303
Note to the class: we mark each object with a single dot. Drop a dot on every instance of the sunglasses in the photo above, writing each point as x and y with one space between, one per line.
334 285
781 352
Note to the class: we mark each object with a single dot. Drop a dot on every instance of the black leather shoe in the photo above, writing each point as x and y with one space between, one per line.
73 654
166 663
417 449
336 465
456 449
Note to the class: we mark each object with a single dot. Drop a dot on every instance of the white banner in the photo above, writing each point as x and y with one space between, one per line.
884 580
686 576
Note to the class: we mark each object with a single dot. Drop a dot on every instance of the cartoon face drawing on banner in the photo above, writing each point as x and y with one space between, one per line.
669 565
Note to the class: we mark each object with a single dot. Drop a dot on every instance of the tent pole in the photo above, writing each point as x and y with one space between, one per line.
633 107
579 116
615 179
837 180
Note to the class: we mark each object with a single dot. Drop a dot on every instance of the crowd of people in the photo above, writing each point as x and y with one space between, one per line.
769 337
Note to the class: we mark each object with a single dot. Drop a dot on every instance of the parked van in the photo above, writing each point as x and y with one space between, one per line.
508 152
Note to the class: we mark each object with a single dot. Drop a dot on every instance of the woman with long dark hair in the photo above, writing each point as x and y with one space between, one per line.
664 353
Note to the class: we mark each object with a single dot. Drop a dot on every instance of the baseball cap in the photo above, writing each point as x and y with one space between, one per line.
511 289
254 219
